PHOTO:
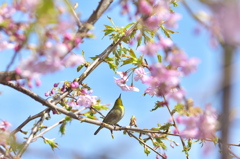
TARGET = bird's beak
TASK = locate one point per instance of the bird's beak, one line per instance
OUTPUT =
(119, 96)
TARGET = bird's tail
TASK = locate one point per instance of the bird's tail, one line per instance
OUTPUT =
(97, 130)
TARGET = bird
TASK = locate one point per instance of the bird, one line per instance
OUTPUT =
(114, 115)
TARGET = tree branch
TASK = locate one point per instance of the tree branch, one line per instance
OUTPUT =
(131, 135)
(28, 120)
(9, 76)
(102, 7)
(35, 129)
(175, 125)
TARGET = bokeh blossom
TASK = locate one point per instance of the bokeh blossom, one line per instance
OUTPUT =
(4, 131)
(201, 126)
(121, 82)
(86, 100)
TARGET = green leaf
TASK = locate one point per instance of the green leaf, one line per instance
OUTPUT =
(139, 42)
(130, 24)
(63, 128)
(127, 61)
(67, 118)
(178, 108)
(112, 66)
(147, 151)
(80, 67)
(94, 58)
(165, 31)
(166, 126)
(131, 52)
(159, 58)
(46, 12)
(89, 115)
(160, 143)
(189, 143)
(111, 21)
(110, 58)
(51, 143)
(108, 32)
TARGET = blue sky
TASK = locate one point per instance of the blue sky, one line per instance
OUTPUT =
(79, 138)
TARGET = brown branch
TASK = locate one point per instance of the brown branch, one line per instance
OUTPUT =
(95, 64)
(175, 125)
(102, 7)
(27, 121)
(39, 99)
(35, 129)
(131, 135)
(226, 99)
(232, 153)
(9, 76)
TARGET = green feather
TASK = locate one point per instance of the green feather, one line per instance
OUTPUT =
(114, 115)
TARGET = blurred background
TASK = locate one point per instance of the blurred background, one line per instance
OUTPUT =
(79, 141)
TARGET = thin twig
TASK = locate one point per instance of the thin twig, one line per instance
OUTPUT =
(27, 121)
(102, 7)
(33, 133)
(48, 129)
(232, 153)
(95, 64)
(175, 125)
(79, 24)
(131, 135)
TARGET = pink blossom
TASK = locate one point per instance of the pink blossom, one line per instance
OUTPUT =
(145, 8)
(74, 85)
(132, 88)
(47, 94)
(172, 20)
(150, 49)
(177, 59)
(6, 12)
(140, 74)
(163, 75)
(72, 104)
(86, 100)
(55, 84)
(38, 82)
(73, 60)
(165, 43)
(52, 92)
(180, 59)
(190, 66)
(125, 8)
(63, 88)
(49, 61)
(26, 5)
(86, 91)
(6, 45)
(176, 94)
(229, 13)
(201, 126)
(4, 125)
(151, 91)
(163, 81)
(153, 22)
(121, 82)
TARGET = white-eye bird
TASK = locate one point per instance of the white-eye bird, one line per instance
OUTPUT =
(114, 115)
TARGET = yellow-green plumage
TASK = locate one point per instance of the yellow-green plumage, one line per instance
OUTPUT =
(114, 115)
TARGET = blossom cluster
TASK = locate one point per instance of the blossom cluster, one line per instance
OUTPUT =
(163, 80)
(201, 126)
(153, 13)
(55, 41)
(4, 131)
